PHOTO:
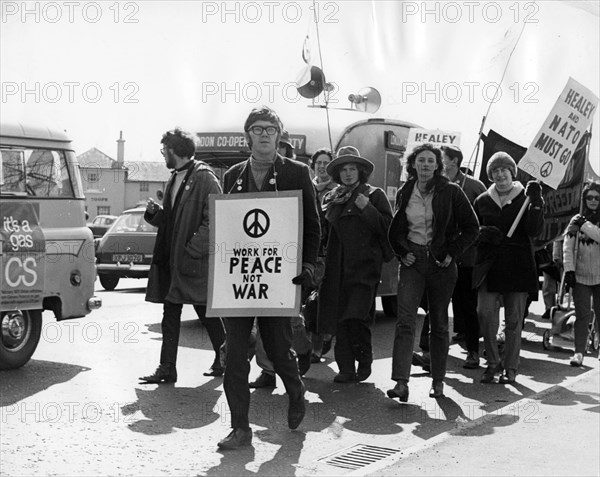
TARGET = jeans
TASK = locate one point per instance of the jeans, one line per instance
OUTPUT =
(582, 294)
(171, 325)
(488, 309)
(424, 276)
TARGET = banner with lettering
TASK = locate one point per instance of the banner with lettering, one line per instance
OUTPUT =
(23, 256)
(560, 204)
(256, 250)
(553, 146)
(233, 141)
(437, 137)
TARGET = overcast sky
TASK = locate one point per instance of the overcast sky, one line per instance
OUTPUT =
(96, 68)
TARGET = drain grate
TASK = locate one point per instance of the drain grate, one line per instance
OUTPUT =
(358, 456)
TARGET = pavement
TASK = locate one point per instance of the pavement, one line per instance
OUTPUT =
(554, 432)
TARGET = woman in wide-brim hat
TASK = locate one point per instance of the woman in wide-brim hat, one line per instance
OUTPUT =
(358, 216)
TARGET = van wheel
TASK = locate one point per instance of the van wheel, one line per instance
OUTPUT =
(390, 305)
(19, 336)
(109, 282)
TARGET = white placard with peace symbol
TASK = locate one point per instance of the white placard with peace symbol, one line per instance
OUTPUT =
(553, 146)
(255, 251)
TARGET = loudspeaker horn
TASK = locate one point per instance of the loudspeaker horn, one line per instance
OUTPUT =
(310, 82)
(367, 100)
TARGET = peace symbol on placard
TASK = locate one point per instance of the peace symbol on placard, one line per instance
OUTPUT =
(256, 223)
(546, 169)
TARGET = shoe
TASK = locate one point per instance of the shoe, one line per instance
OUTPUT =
(489, 373)
(458, 338)
(437, 389)
(418, 360)
(214, 371)
(304, 361)
(472, 361)
(546, 314)
(238, 437)
(363, 371)
(509, 377)
(315, 358)
(264, 380)
(165, 373)
(400, 391)
(344, 378)
(296, 410)
(577, 359)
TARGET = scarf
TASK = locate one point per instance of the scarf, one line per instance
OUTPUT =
(340, 195)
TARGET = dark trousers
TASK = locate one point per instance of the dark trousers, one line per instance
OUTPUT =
(171, 325)
(352, 343)
(583, 295)
(424, 276)
(276, 334)
(464, 307)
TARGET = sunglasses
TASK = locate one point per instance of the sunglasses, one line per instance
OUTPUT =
(593, 197)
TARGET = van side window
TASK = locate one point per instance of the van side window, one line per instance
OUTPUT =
(35, 172)
(12, 172)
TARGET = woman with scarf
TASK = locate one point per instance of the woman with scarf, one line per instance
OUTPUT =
(358, 216)
(505, 266)
(581, 249)
(433, 225)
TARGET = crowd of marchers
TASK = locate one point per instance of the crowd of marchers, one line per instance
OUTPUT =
(456, 242)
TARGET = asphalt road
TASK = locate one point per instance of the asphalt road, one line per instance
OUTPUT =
(77, 407)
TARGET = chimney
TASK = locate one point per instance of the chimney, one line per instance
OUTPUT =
(120, 149)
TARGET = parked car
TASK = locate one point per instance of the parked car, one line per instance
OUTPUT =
(126, 249)
(101, 224)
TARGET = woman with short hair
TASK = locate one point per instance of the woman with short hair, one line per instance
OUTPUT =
(434, 223)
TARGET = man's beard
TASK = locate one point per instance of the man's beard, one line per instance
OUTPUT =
(170, 160)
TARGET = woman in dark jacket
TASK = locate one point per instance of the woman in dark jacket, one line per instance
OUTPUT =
(505, 266)
(433, 225)
(358, 216)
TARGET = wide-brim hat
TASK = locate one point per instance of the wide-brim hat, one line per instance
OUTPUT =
(346, 155)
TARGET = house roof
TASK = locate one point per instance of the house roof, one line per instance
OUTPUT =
(142, 171)
(95, 158)
(137, 171)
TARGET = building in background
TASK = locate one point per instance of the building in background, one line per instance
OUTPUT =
(112, 186)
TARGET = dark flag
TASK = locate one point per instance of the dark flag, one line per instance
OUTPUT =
(560, 204)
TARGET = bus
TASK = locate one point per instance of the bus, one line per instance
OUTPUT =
(383, 141)
(47, 260)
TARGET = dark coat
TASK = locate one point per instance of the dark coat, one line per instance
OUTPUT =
(181, 275)
(472, 188)
(455, 225)
(354, 258)
(509, 266)
(286, 174)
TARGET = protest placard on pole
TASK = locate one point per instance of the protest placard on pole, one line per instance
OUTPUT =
(548, 156)
(255, 251)
(551, 150)
(437, 137)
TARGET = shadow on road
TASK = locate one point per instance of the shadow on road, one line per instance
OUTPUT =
(167, 408)
(35, 376)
